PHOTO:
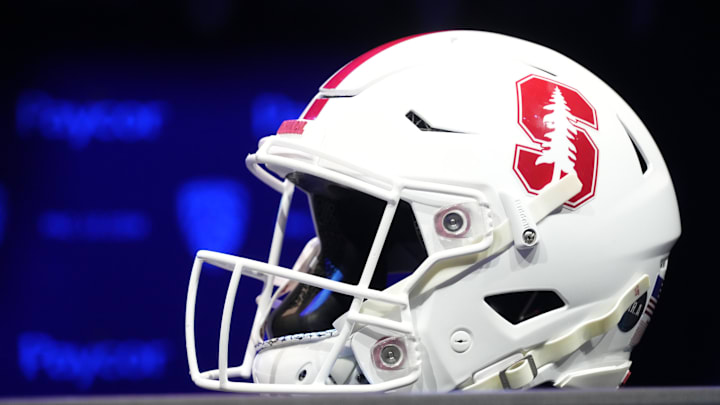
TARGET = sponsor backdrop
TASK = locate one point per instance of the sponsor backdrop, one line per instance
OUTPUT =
(124, 131)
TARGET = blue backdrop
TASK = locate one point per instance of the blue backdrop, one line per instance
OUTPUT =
(120, 171)
(125, 126)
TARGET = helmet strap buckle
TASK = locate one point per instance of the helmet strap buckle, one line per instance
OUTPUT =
(519, 374)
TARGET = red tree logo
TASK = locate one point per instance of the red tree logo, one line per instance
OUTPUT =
(555, 117)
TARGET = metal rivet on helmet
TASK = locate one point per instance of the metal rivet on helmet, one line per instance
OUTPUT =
(453, 221)
(391, 355)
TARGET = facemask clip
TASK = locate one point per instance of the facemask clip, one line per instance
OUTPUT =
(524, 228)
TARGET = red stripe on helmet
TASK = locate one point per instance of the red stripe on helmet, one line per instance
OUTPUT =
(341, 74)
(315, 108)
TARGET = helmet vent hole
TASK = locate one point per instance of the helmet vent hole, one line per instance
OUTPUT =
(418, 121)
(423, 125)
(638, 152)
(544, 70)
(643, 163)
(520, 306)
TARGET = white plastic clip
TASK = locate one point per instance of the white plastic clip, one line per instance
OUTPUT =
(523, 226)
(523, 215)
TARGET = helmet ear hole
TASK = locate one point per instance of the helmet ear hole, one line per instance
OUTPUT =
(519, 306)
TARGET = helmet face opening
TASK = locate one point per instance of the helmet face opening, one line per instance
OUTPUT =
(346, 223)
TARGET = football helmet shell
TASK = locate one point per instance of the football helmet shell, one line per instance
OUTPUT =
(543, 207)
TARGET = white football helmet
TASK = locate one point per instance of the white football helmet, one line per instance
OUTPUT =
(522, 205)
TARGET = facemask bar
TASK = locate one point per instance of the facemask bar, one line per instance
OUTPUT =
(349, 176)
(218, 379)
(264, 303)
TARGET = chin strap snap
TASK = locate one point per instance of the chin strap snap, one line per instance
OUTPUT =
(522, 373)
(519, 374)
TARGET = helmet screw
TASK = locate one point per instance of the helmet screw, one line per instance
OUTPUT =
(529, 236)
(453, 222)
(390, 355)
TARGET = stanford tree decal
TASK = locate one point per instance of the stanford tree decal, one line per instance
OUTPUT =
(560, 149)
(557, 119)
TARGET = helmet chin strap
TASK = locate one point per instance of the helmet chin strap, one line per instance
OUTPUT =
(522, 372)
